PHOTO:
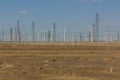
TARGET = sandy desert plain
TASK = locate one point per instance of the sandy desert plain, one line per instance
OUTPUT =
(60, 61)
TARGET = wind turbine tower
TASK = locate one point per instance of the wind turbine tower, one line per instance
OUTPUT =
(3, 35)
(11, 34)
(49, 36)
(64, 35)
(118, 36)
(90, 33)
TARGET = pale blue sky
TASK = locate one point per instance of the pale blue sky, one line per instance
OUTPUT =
(75, 14)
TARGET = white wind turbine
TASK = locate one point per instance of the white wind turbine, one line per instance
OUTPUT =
(91, 32)
(65, 34)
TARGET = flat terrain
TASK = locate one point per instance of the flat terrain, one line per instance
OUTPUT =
(60, 61)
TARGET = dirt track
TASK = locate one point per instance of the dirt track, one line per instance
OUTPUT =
(60, 61)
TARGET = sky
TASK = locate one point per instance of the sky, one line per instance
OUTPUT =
(76, 15)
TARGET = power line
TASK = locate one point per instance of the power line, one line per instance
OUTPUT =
(54, 31)
(18, 31)
(33, 31)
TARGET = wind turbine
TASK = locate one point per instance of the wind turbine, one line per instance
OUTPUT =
(91, 32)
(51, 36)
(44, 36)
(65, 34)
(38, 35)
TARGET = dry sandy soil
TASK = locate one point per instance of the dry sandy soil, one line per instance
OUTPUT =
(60, 61)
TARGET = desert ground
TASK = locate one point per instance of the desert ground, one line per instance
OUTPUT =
(60, 61)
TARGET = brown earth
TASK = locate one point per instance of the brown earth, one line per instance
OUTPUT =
(60, 61)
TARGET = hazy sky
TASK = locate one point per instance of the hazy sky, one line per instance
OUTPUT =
(75, 14)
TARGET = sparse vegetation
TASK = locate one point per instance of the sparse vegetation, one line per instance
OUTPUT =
(61, 61)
